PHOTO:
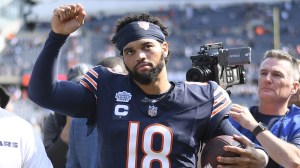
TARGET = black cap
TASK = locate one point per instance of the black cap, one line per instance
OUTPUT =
(77, 72)
(4, 97)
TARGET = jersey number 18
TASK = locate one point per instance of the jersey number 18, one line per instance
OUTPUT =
(150, 155)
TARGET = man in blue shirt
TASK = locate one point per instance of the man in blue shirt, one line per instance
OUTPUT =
(272, 123)
(143, 120)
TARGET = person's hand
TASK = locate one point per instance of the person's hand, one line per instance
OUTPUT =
(64, 135)
(243, 116)
(250, 157)
(67, 19)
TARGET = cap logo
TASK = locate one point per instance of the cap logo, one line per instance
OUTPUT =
(144, 25)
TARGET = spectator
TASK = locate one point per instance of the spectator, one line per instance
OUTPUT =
(83, 148)
(272, 123)
(143, 120)
(19, 145)
(56, 127)
(115, 63)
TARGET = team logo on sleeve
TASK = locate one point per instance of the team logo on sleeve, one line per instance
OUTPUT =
(152, 110)
(123, 96)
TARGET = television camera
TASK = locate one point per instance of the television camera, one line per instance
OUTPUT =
(224, 66)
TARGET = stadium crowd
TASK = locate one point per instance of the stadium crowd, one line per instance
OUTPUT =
(235, 26)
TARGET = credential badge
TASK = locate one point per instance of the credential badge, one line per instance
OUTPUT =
(152, 110)
(144, 25)
(123, 96)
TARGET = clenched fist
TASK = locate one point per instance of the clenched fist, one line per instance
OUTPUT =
(67, 19)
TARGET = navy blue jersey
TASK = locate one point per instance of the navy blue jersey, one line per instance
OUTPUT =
(134, 130)
(137, 131)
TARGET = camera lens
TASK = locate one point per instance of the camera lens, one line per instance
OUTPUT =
(199, 74)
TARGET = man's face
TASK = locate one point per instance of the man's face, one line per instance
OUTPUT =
(275, 80)
(144, 59)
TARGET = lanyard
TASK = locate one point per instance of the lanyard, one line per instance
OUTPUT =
(281, 125)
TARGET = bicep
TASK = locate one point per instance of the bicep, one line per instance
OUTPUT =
(70, 99)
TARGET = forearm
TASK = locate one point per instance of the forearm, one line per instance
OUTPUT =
(63, 97)
(284, 153)
(44, 71)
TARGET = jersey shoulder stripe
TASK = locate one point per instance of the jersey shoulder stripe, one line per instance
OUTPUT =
(221, 101)
(94, 73)
(90, 79)
(97, 76)
(82, 82)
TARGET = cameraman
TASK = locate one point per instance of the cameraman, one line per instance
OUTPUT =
(272, 123)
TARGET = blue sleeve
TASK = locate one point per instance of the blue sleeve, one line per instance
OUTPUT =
(226, 128)
(220, 108)
(72, 160)
(296, 140)
(63, 97)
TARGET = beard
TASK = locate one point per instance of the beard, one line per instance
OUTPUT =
(147, 77)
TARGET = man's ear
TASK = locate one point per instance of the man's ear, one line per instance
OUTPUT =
(295, 87)
(165, 48)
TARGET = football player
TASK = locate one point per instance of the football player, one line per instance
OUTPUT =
(143, 119)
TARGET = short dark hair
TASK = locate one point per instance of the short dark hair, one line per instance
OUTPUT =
(77, 72)
(111, 62)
